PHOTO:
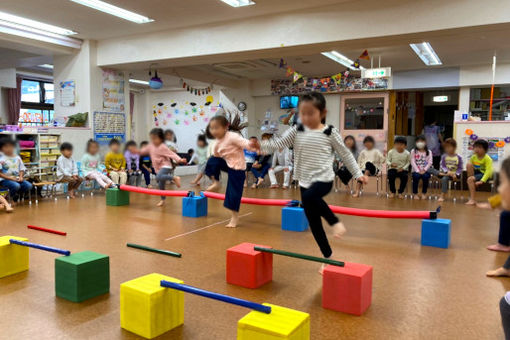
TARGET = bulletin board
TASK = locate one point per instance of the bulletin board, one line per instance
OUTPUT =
(113, 91)
(108, 126)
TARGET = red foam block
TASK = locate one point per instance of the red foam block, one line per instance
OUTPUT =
(247, 267)
(347, 289)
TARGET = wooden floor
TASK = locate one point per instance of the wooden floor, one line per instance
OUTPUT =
(419, 292)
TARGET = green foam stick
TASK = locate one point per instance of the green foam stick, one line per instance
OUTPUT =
(154, 250)
(300, 256)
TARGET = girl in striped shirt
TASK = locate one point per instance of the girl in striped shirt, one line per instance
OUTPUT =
(314, 146)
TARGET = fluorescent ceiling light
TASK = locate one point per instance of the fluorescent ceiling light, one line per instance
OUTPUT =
(426, 53)
(16, 22)
(341, 59)
(137, 81)
(48, 66)
(239, 3)
(114, 10)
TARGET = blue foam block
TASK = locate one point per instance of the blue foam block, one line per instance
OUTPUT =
(294, 219)
(195, 206)
(436, 233)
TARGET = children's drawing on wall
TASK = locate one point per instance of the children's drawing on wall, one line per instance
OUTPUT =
(496, 145)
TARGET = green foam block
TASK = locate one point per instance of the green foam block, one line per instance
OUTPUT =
(82, 276)
(116, 197)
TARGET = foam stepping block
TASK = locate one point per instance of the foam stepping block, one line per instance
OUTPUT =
(13, 258)
(116, 197)
(247, 267)
(82, 276)
(294, 219)
(194, 206)
(281, 323)
(436, 233)
(347, 289)
(149, 310)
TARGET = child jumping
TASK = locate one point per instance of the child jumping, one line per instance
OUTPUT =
(228, 156)
(90, 166)
(161, 157)
(314, 146)
(421, 161)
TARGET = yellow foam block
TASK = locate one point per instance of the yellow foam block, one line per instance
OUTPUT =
(281, 323)
(13, 258)
(149, 310)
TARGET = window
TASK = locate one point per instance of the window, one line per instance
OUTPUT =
(364, 113)
(37, 98)
(479, 104)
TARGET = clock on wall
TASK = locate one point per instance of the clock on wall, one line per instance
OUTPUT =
(241, 106)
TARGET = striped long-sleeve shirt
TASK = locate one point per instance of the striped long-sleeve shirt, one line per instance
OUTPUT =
(314, 153)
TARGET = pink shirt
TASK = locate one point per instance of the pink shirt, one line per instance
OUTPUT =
(231, 149)
(160, 155)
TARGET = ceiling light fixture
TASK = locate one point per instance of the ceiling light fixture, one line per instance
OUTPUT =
(426, 54)
(16, 22)
(239, 3)
(341, 59)
(140, 82)
(47, 66)
(114, 10)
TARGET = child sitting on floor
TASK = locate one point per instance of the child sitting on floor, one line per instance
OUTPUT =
(370, 161)
(479, 168)
(421, 162)
(12, 170)
(90, 163)
(398, 162)
(116, 163)
(451, 166)
(67, 170)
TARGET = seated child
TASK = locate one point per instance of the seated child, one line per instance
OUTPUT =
(451, 166)
(479, 168)
(171, 140)
(90, 163)
(191, 157)
(133, 163)
(282, 161)
(343, 173)
(201, 157)
(261, 165)
(12, 170)
(146, 166)
(116, 163)
(421, 162)
(250, 157)
(370, 161)
(398, 162)
(67, 170)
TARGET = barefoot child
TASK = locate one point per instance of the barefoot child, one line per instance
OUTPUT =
(90, 166)
(314, 146)
(161, 157)
(67, 170)
(228, 157)
(4, 203)
(479, 168)
(421, 162)
(201, 156)
(451, 166)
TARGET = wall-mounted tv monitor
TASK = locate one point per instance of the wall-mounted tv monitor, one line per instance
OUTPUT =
(289, 102)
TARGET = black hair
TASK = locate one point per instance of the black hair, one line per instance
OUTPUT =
(233, 125)
(114, 141)
(317, 100)
(400, 139)
(7, 141)
(422, 138)
(191, 151)
(253, 137)
(143, 143)
(505, 167)
(66, 146)
(89, 144)
(128, 144)
(481, 143)
(369, 139)
(266, 135)
(173, 134)
(158, 132)
(202, 138)
(430, 119)
(450, 141)
(354, 147)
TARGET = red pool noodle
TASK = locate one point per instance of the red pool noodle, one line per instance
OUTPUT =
(47, 230)
(155, 192)
(336, 209)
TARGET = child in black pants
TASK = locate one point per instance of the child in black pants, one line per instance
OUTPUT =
(398, 162)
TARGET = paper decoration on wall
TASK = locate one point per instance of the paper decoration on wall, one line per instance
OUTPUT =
(500, 143)
(282, 63)
(289, 71)
(337, 77)
(113, 91)
(356, 64)
(195, 90)
(161, 104)
(173, 104)
(364, 55)
(469, 132)
(193, 104)
(296, 76)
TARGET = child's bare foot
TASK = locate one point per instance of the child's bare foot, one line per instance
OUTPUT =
(499, 247)
(254, 186)
(160, 203)
(274, 186)
(356, 194)
(483, 205)
(194, 182)
(392, 195)
(423, 196)
(9, 209)
(338, 230)
(71, 194)
(177, 181)
(416, 197)
(285, 187)
(233, 220)
(245, 184)
(441, 198)
(215, 186)
(260, 181)
(471, 202)
(149, 186)
(321, 270)
(401, 196)
(498, 272)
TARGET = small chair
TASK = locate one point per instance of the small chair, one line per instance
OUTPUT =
(50, 187)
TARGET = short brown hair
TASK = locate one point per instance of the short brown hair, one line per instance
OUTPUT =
(450, 141)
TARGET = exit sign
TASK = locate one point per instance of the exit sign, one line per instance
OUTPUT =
(382, 72)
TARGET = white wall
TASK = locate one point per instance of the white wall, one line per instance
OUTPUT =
(7, 80)
(3, 106)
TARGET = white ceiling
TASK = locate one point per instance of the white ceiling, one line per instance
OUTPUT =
(168, 14)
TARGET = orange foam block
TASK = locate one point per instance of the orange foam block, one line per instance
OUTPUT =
(347, 289)
(247, 267)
